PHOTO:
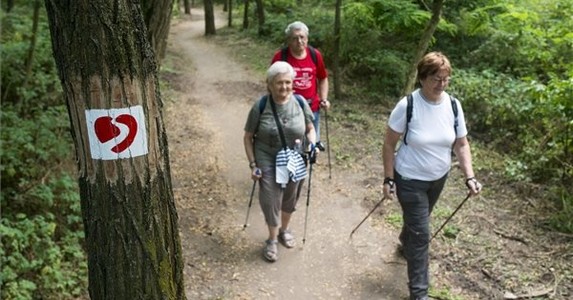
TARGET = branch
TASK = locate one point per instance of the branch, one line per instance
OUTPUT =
(510, 237)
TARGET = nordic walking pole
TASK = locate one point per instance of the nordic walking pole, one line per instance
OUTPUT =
(310, 160)
(327, 142)
(368, 215)
(250, 203)
(448, 219)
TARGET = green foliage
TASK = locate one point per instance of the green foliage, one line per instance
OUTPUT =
(394, 219)
(18, 87)
(378, 40)
(562, 220)
(41, 224)
(528, 121)
(41, 253)
(444, 294)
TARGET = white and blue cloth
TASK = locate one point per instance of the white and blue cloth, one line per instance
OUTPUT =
(289, 166)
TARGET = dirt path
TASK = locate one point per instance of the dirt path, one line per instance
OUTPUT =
(205, 119)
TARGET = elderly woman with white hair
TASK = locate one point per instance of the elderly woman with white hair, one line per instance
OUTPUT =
(263, 139)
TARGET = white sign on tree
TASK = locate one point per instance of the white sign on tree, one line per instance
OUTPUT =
(117, 133)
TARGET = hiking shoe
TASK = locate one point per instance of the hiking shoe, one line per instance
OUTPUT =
(270, 250)
(286, 238)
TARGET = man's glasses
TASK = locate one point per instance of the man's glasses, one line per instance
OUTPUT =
(297, 38)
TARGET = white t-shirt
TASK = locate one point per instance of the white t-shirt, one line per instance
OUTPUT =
(427, 156)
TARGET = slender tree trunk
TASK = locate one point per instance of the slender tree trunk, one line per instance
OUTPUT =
(33, 40)
(230, 15)
(109, 79)
(187, 7)
(157, 14)
(8, 5)
(336, 51)
(246, 15)
(209, 17)
(423, 44)
(260, 16)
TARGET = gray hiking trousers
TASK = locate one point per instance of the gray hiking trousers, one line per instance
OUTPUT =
(417, 199)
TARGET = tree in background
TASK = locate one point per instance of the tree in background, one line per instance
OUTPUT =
(423, 44)
(109, 78)
(209, 17)
(260, 16)
(336, 51)
(246, 14)
(157, 15)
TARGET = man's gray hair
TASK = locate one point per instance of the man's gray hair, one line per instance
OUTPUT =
(297, 25)
(279, 67)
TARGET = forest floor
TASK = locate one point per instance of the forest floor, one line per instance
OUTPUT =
(495, 247)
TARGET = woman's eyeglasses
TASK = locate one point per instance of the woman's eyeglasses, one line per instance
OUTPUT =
(440, 80)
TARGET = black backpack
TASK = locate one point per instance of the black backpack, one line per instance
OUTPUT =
(410, 106)
(263, 102)
(284, 54)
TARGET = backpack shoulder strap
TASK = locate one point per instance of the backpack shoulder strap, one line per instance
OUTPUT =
(263, 104)
(455, 110)
(409, 108)
(313, 55)
(284, 53)
(300, 100)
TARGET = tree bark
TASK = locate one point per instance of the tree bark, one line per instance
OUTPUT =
(105, 62)
(260, 16)
(157, 15)
(230, 15)
(187, 7)
(423, 44)
(246, 15)
(209, 17)
(33, 40)
(336, 51)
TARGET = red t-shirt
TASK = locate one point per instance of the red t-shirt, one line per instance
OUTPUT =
(307, 73)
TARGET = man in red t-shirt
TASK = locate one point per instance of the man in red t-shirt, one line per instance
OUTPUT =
(311, 80)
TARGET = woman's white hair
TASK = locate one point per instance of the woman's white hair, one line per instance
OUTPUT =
(297, 25)
(279, 67)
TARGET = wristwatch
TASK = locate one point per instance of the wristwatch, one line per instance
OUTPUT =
(389, 181)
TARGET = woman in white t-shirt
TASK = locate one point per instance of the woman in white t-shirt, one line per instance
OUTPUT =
(418, 171)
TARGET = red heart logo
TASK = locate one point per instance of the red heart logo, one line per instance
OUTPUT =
(105, 130)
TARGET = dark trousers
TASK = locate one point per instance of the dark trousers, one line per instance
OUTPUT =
(417, 199)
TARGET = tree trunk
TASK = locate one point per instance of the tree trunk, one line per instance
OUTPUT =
(260, 16)
(33, 39)
(109, 79)
(157, 14)
(336, 51)
(230, 15)
(187, 7)
(246, 15)
(209, 17)
(423, 44)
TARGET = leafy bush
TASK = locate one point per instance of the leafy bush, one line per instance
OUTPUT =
(41, 226)
(528, 121)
